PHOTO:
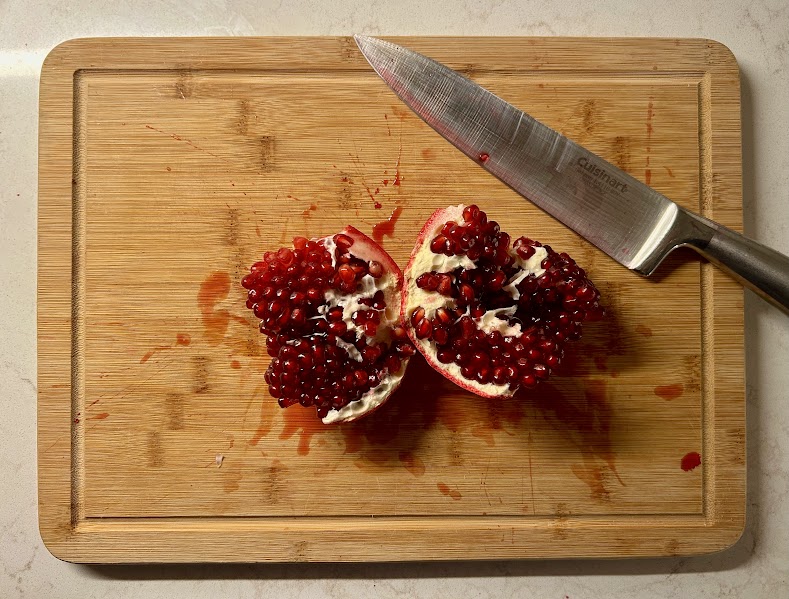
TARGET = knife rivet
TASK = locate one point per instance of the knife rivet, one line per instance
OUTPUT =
(483, 157)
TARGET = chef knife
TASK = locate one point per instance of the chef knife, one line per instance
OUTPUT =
(628, 220)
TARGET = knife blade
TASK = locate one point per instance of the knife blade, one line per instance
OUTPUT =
(631, 222)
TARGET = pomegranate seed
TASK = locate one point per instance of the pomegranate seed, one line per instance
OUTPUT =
(337, 328)
(438, 244)
(470, 212)
(443, 316)
(379, 303)
(444, 284)
(423, 328)
(375, 269)
(417, 316)
(528, 380)
(343, 242)
(466, 292)
(445, 356)
(440, 335)
(427, 281)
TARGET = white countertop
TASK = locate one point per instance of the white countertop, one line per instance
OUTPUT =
(757, 566)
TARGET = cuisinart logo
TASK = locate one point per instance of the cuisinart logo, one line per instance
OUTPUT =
(600, 174)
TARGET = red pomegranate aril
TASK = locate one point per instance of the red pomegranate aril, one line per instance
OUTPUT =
(440, 334)
(375, 269)
(466, 293)
(423, 328)
(417, 316)
(427, 281)
(445, 356)
(444, 284)
(438, 244)
(343, 242)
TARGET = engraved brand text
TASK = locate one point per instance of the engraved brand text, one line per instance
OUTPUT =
(601, 174)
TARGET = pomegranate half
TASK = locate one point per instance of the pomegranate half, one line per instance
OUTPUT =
(330, 310)
(492, 316)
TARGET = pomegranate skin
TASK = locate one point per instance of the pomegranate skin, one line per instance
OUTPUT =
(490, 315)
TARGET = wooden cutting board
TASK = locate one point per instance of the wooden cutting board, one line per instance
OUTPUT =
(167, 166)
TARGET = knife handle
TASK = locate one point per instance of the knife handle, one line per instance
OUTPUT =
(754, 265)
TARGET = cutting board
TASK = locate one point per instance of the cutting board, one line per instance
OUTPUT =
(168, 166)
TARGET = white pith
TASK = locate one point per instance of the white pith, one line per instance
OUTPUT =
(350, 304)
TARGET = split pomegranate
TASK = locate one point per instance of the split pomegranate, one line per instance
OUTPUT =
(330, 310)
(489, 315)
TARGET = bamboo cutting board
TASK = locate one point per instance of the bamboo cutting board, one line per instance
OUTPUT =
(167, 166)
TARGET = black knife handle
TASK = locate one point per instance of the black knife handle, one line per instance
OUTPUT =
(756, 266)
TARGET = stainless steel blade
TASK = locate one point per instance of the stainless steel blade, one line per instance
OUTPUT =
(631, 222)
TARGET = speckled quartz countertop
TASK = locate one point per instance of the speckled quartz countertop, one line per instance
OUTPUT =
(756, 32)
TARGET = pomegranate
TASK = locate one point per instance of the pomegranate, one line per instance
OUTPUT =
(330, 310)
(492, 316)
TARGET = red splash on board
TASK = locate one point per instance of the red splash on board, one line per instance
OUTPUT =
(412, 463)
(643, 330)
(386, 227)
(183, 339)
(235, 365)
(690, 461)
(213, 290)
(669, 392)
(304, 422)
(445, 490)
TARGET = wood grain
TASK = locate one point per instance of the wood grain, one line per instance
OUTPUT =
(167, 166)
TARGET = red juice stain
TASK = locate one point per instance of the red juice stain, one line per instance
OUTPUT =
(305, 422)
(257, 230)
(428, 153)
(264, 426)
(150, 354)
(669, 392)
(386, 227)
(214, 289)
(669, 171)
(183, 339)
(592, 476)
(388, 129)
(484, 157)
(235, 364)
(378, 205)
(101, 416)
(650, 114)
(601, 363)
(385, 182)
(643, 330)
(377, 190)
(311, 208)
(412, 463)
(690, 461)
(445, 490)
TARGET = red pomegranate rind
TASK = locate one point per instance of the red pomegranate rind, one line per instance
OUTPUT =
(330, 310)
(492, 316)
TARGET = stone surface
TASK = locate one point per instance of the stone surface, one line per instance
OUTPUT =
(756, 33)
